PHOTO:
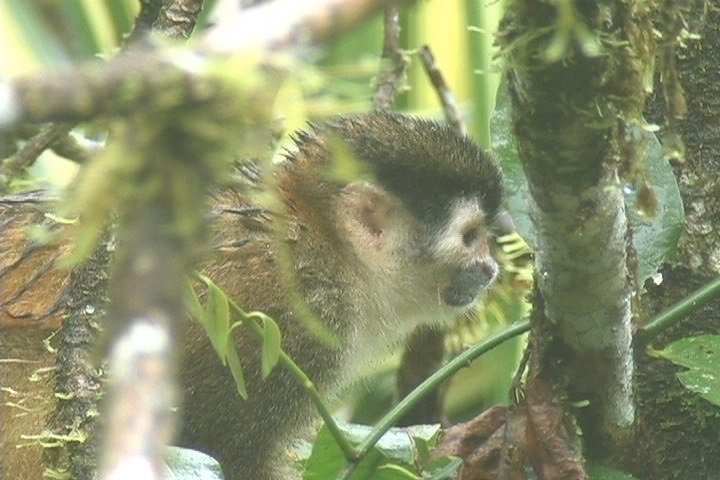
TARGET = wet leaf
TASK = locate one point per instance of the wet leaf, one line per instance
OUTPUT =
(655, 239)
(701, 355)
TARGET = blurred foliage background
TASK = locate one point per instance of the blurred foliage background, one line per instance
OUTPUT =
(43, 35)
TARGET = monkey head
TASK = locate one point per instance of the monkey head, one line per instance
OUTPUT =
(416, 231)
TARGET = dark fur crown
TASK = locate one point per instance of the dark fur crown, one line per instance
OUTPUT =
(422, 161)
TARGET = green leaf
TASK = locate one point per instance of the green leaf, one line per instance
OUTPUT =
(655, 240)
(233, 362)
(271, 345)
(701, 355)
(702, 382)
(400, 444)
(504, 146)
(601, 472)
(394, 472)
(216, 321)
(444, 468)
(397, 448)
(193, 304)
(327, 460)
(218, 318)
(187, 464)
(26, 40)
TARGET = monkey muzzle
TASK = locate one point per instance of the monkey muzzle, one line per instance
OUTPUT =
(466, 283)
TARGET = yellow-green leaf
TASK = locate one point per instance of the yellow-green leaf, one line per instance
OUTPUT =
(194, 306)
(233, 362)
(271, 345)
(218, 318)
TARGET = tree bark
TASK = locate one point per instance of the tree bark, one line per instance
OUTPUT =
(678, 430)
(575, 98)
(50, 384)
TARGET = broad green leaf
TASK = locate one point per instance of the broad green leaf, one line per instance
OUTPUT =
(701, 355)
(327, 461)
(271, 345)
(702, 382)
(122, 13)
(394, 472)
(400, 444)
(397, 447)
(655, 240)
(80, 20)
(187, 464)
(699, 352)
(25, 42)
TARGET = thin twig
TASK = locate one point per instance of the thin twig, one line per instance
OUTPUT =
(447, 99)
(149, 10)
(177, 19)
(47, 136)
(392, 78)
(95, 86)
(75, 147)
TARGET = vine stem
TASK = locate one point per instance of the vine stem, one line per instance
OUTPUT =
(461, 361)
(250, 320)
(670, 316)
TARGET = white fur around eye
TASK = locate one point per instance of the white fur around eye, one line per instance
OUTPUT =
(466, 217)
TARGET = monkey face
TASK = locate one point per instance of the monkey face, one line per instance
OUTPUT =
(419, 261)
(462, 245)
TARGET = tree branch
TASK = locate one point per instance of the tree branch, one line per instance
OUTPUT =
(571, 108)
(128, 81)
(392, 76)
(149, 10)
(446, 97)
(288, 23)
(176, 19)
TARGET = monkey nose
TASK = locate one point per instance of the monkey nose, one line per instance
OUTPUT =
(466, 283)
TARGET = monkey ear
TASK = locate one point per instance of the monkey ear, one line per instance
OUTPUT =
(366, 213)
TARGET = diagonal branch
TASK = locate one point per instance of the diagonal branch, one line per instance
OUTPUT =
(128, 81)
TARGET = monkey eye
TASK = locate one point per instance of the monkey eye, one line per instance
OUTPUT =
(470, 235)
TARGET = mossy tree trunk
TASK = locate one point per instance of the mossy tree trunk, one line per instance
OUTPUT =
(577, 77)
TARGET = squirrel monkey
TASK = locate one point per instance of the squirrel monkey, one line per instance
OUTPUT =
(371, 259)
